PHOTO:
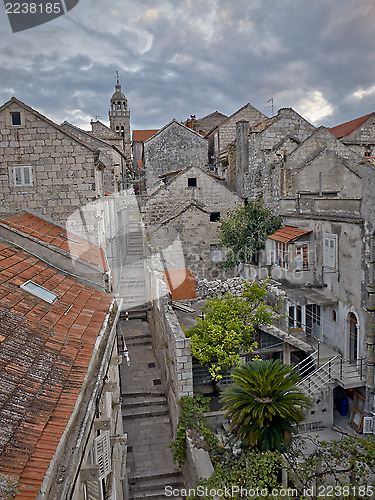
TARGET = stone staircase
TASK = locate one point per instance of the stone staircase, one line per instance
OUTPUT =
(320, 370)
(146, 419)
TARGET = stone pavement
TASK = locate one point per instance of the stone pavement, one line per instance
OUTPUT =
(146, 420)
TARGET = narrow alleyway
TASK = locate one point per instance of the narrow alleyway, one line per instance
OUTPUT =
(145, 414)
(145, 417)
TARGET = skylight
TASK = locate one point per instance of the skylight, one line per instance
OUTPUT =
(39, 291)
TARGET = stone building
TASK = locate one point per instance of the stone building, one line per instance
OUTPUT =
(320, 261)
(60, 417)
(173, 147)
(358, 134)
(182, 219)
(118, 132)
(206, 123)
(261, 148)
(225, 132)
(45, 168)
(116, 171)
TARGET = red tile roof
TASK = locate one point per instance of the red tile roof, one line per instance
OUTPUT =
(49, 233)
(181, 283)
(348, 127)
(143, 135)
(45, 351)
(288, 233)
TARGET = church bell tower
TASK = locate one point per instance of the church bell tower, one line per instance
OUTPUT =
(119, 116)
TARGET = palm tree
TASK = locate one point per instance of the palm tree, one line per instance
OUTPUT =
(264, 404)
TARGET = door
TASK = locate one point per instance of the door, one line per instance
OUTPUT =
(353, 337)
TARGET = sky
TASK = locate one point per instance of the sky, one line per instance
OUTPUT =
(182, 57)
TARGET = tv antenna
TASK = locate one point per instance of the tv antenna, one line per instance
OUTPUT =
(271, 106)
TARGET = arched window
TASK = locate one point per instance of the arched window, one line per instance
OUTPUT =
(117, 129)
(353, 337)
(122, 131)
(119, 105)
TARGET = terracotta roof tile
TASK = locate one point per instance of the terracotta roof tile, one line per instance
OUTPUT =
(42, 364)
(181, 283)
(347, 128)
(288, 233)
(58, 237)
(143, 135)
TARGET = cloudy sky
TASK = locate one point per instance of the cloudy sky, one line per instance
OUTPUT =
(183, 57)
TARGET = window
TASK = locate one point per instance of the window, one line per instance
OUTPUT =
(39, 291)
(192, 182)
(334, 318)
(281, 254)
(329, 255)
(312, 315)
(302, 256)
(16, 118)
(22, 176)
(214, 216)
(216, 253)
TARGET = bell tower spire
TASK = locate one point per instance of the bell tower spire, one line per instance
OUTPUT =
(119, 115)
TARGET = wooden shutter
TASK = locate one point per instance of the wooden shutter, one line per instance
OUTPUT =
(102, 446)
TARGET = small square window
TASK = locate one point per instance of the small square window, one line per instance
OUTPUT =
(192, 182)
(16, 118)
(22, 175)
(214, 216)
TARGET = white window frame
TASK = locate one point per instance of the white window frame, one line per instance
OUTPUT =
(22, 177)
(281, 254)
(301, 263)
(330, 251)
(102, 451)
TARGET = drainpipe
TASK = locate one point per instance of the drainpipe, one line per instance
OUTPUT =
(370, 336)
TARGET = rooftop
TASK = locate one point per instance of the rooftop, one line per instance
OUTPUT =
(45, 350)
(143, 135)
(288, 233)
(54, 235)
(347, 128)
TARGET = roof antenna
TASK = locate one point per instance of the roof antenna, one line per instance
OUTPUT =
(117, 77)
(271, 101)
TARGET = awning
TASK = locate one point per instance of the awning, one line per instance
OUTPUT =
(287, 234)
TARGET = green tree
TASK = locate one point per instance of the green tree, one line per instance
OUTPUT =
(346, 466)
(244, 231)
(227, 327)
(264, 403)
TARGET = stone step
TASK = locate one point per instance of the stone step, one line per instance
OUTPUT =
(138, 402)
(130, 394)
(140, 340)
(144, 411)
(153, 485)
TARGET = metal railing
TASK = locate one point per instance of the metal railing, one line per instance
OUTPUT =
(322, 376)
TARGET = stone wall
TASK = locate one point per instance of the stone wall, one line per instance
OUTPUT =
(172, 348)
(172, 148)
(227, 130)
(179, 213)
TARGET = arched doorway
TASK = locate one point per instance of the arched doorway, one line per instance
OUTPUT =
(353, 337)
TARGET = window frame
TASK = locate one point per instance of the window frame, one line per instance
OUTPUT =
(282, 254)
(330, 256)
(14, 113)
(192, 182)
(22, 169)
(303, 263)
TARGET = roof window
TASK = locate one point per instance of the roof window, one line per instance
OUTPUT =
(39, 291)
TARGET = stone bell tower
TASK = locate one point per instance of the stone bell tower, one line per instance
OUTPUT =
(119, 116)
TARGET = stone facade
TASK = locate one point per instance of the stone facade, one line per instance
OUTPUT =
(358, 134)
(44, 168)
(110, 155)
(174, 147)
(187, 211)
(263, 148)
(206, 123)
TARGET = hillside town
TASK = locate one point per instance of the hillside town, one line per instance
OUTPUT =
(109, 249)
